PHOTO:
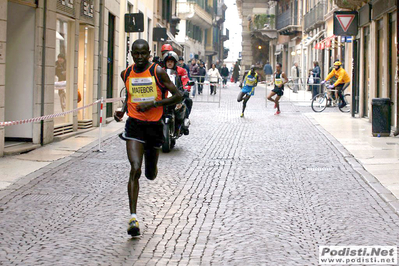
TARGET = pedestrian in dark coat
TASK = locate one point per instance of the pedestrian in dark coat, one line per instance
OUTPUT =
(236, 72)
(316, 79)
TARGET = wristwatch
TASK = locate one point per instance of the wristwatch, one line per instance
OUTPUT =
(155, 104)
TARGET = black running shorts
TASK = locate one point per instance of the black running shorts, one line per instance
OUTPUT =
(148, 133)
(278, 91)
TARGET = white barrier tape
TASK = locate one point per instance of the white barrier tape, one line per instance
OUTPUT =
(36, 119)
(110, 100)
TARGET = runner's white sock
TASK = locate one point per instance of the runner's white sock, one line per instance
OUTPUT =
(134, 216)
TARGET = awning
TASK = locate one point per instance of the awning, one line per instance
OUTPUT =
(311, 40)
(327, 42)
(172, 41)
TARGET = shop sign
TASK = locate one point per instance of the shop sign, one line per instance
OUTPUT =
(346, 39)
(345, 23)
(87, 8)
(66, 6)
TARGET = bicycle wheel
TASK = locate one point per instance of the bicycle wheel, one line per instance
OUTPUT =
(290, 84)
(347, 107)
(122, 94)
(319, 103)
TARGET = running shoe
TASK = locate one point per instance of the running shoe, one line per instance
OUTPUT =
(133, 229)
(277, 113)
(242, 115)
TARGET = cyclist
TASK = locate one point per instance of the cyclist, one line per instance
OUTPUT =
(250, 81)
(343, 81)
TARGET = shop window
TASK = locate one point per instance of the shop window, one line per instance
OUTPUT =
(85, 74)
(380, 63)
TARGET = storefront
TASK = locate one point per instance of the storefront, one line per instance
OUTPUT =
(378, 62)
(74, 25)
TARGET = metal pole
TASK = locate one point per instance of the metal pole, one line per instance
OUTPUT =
(220, 93)
(101, 124)
(100, 50)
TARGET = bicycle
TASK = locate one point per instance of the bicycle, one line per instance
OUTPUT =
(291, 84)
(321, 100)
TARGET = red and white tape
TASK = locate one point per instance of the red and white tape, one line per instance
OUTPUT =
(36, 119)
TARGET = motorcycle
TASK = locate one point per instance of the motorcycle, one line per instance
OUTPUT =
(175, 122)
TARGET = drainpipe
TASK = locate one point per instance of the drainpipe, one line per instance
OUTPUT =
(100, 53)
(43, 72)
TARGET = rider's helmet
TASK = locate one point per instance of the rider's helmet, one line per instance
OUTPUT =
(170, 56)
(338, 63)
(166, 48)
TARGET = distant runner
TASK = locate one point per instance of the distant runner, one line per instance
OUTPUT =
(279, 80)
(147, 85)
(250, 81)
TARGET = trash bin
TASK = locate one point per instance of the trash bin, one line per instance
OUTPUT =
(381, 121)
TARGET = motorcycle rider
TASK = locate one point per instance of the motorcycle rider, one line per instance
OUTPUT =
(170, 60)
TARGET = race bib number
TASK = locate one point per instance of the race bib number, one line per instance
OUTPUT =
(251, 81)
(278, 81)
(142, 89)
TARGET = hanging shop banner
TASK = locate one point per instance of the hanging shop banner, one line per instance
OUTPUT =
(134, 22)
(345, 23)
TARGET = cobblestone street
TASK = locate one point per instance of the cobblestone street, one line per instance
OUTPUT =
(259, 190)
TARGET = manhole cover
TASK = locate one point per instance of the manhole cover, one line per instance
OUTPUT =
(49, 197)
(318, 169)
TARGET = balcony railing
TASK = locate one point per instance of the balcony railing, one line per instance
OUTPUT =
(315, 16)
(286, 19)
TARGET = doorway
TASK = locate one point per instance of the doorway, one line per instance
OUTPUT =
(20, 59)
(110, 62)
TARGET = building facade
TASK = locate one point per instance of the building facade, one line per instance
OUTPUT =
(201, 29)
(259, 35)
(68, 61)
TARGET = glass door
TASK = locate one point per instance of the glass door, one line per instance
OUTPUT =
(380, 60)
(110, 63)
